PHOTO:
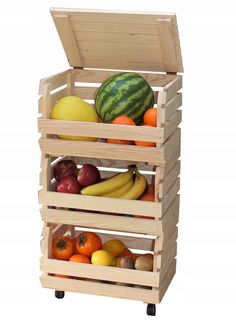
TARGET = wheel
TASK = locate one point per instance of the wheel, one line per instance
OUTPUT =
(151, 309)
(59, 294)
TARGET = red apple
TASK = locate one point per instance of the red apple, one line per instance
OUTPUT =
(65, 168)
(88, 174)
(68, 185)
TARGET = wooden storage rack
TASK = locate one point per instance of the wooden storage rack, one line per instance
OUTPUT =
(84, 33)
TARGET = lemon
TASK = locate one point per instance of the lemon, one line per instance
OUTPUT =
(115, 247)
(103, 258)
(75, 109)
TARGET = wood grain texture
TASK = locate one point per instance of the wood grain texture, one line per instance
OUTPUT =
(103, 204)
(169, 180)
(90, 271)
(86, 31)
(102, 221)
(171, 125)
(103, 130)
(170, 196)
(55, 81)
(102, 289)
(171, 89)
(171, 107)
(172, 145)
(57, 147)
(167, 280)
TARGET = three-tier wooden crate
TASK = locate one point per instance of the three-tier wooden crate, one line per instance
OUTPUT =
(98, 45)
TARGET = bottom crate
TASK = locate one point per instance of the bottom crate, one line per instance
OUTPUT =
(147, 286)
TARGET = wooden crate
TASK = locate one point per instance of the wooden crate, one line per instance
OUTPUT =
(122, 41)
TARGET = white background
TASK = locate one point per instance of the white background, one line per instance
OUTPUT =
(204, 286)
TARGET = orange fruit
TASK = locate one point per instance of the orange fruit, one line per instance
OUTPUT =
(150, 117)
(150, 189)
(79, 258)
(124, 120)
(61, 276)
(146, 197)
(145, 143)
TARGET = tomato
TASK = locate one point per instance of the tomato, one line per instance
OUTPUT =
(88, 242)
(62, 248)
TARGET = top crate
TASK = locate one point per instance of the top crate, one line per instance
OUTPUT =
(146, 43)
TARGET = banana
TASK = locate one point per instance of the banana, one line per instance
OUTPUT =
(108, 185)
(120, 191)
(137, 189)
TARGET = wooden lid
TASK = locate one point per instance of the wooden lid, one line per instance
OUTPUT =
(119, 40)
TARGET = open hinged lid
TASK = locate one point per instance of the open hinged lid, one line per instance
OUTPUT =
(119, 40)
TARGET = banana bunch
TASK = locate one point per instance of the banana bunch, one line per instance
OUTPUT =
(126, 185)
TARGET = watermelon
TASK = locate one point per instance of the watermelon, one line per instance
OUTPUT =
(126, 93)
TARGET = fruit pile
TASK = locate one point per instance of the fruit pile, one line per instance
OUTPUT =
(87, 181)
(125, 98)
(87, 247)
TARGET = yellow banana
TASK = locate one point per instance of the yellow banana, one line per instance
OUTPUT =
(137, 189)
(108, 185)
(120, 191)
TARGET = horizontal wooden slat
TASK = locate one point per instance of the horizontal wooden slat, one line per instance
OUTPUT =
(55, 81)
(90, 271)
(165, 185)
(167, 280)
(171, 89)
(171, 107)
(169, 164)
(172, 124)
(169, 197)
(163, 255)
(170, 220)
(131, 242)
(100, 130)
(99, 76)
(102, 221)
(86, 92)
(57, 147)
(169, 261)
(99, 289)
(122, 206)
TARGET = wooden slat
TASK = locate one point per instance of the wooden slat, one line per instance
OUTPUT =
(99, 76)
(58, 95)
(132, 242)
(172, 145)
(85, 92)
(171, 107)
(55, 81)
(65, 31)
(169, 197)
(99, 289)
(169, 180)
(172, 88)
(167, 280)
(170, 220)
(122, 206)
(57, 147)
(102, 221)
(100, 272)
(172, 124)
(165, 169)
(59, 230)
(169, 261)
(167, 44)
(100, 130)
(163, 255)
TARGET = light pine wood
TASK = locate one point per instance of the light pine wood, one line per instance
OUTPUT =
(167, 280)
(57, 147)
(171, 89)
(169, 261)
(99, 76)
(171, 218)
(99, 289)
(55, 81)
(102, 221)
(105, 53)
(172, 145)
(102, 130)
(90, 271)
(172, 124)
(59, 230)
(70, 84)
(122, 206)
(171, 107)
(70, 45)
(165, 169)
(170, 196)
(169, 180)
(163, 255)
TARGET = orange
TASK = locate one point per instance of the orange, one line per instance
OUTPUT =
(150, 188)
(79, 258)
(61, 276)
(145, 143)
(124, 120)
(150, 117)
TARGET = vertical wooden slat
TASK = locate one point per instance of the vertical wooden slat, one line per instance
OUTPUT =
(64, 28)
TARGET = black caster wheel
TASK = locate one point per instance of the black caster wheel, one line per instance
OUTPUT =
(151, 309)
(59, 294)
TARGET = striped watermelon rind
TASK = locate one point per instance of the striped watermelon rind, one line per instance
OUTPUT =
(126, 93)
